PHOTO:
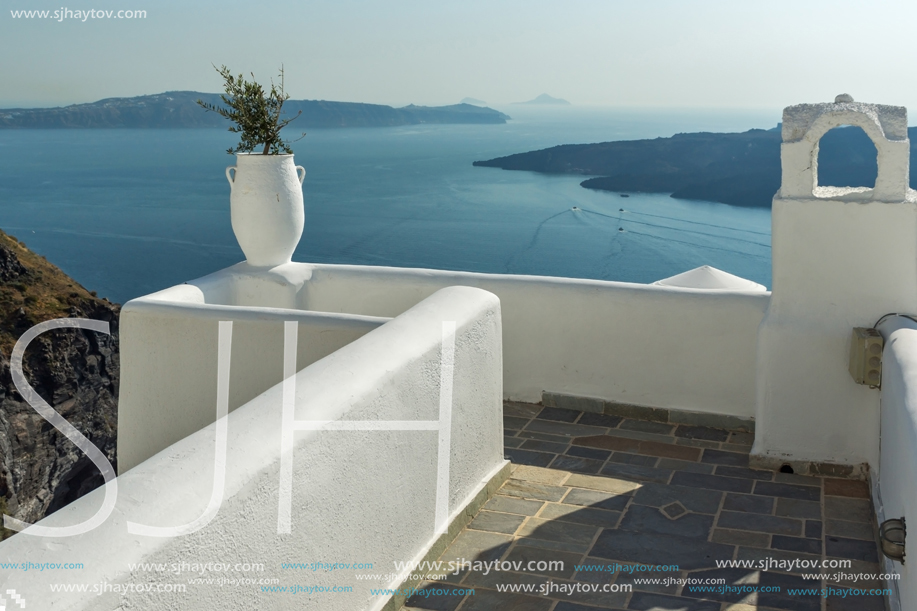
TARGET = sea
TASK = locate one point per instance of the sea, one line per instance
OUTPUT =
(127, 212)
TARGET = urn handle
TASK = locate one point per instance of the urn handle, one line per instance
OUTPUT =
(232, 177)
(302, 176)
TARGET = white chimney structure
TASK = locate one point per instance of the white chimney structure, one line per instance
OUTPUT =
(842, 258)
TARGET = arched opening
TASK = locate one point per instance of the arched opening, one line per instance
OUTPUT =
(847, 157)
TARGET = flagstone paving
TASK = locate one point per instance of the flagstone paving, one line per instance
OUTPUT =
(616, 493)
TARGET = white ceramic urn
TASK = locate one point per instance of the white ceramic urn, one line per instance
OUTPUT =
(266, 206)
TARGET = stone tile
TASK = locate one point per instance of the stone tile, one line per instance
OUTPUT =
(594, 498)
(511, 505)
(488, 600)
(848, 601)
(684, 465)
(636, 473)
(553, 530)
(520, 410)
(846, 487)
(476, 545)
(558, 414)
(642, 519)
(539, 475)
(673, 510)
(568, 606)
(496, 522)
(637, 412)
(794, 508)
(512, 442)
(744, 472)
(796, 544)
(573, 402)
(638, 446)
(527, 457)
(628, 576)
(791, 491)
(760, 523)
(854, 510)
(577, 464)
(605, 484)
(719, 457)
(813, 529)
(779, 599)
(734, 447)
(787, 561)
(543, 436)
(795, 478)
(543, 446)
(698, 443)
(512, 423)
(531, 490)
(646, 426)
(588, 453)
(701, 432)
(646, 601)
(711, 482)
(603, 420)
(741, 537)
(653, 548)
(562, 546)
(839, 547)
(580, 515)
(633, 459)
(742, 439)
(640, 435)
(524, 555)
(562, 428)
(697, 500)
(749, 503)
(428, 598)
(850, 530)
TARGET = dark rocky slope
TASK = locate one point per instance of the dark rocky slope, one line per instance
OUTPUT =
(75, 371)
(739, 169)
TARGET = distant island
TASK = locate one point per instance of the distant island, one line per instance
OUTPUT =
(175, 109)
(741, 169)
(546, 100)
(473, 102)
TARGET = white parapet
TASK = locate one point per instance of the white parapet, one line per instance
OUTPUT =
(842, 257)
(895, 488)
(413, 432)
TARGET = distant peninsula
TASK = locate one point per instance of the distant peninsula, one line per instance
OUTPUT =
(545, 99)
(741, 169)
(177, 109)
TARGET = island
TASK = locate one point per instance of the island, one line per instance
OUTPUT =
(473, 102)
(545, 99)
(741, 169)
(176, 109)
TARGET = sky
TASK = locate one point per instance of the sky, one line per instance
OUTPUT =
(622, 53)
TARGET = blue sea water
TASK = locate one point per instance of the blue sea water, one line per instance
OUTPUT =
(128, 212)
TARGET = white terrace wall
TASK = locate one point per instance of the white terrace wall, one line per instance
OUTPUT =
(657, 346)
(895, 494)
(358, 496)
(169, 362)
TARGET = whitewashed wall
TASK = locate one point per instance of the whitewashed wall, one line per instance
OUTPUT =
(358, 496)
(642, 344)
(896, 494)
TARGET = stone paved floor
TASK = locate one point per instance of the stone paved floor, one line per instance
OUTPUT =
(591, 489)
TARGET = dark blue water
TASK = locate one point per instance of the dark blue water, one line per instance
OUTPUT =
(128, 212)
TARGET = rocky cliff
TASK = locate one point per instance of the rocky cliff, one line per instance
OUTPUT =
(75, 371)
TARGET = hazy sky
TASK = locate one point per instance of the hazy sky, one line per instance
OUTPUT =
(664, 53)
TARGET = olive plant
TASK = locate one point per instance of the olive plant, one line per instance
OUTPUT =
(256, 114)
